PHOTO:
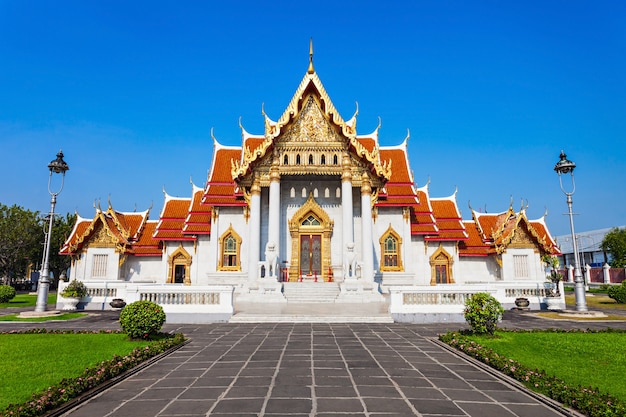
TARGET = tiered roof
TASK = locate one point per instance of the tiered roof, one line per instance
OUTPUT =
(129, 233)
(492, 233)
(436, 219)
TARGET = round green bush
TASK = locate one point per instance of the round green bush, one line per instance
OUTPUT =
(482, 313)
(7, 293)
(142, 319)
(618, 293)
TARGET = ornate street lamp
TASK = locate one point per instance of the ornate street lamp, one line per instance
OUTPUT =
(58, 166)
(565, 166)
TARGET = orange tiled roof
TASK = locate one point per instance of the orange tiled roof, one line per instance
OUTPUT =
(367, 142)
(221, 190)
(448, 220)
(124, 228)
(172, 221)
(78, 231)
(474, 245)
(198, 220)
(422, 220)
(399, 189)
(147, 245)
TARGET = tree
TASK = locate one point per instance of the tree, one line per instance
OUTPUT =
(61, 229)
(614, 243)
(21, 237)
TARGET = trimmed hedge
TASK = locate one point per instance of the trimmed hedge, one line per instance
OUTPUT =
(142, 319)
(482, 313)
(7, 293)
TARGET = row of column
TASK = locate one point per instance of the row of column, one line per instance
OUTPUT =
(367, 269)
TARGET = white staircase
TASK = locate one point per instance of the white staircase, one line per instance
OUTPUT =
(310, 292)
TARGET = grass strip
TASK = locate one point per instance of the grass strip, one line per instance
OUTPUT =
(34, 362)
(63, 316)
(27, 300)
(579, 358)
(581, 369)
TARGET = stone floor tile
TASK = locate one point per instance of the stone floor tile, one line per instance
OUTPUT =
(160, 393)
(247, 392)
(239, 405)
(141, 408)
(288, 405)
(337, 405)
(196, 407)
(201, 393)
(532, 410)
(467, 395)
(388, 405)
(291, 391)
(447, 407)
(335, 392)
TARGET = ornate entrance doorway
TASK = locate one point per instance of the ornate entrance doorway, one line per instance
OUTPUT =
(311, 254)
(310, 229)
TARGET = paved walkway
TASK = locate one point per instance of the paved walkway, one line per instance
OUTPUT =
(315, 369)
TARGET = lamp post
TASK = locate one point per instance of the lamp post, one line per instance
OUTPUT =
(58, 166)
(565, 166)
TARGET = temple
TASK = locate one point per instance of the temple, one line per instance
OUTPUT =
(309, 200)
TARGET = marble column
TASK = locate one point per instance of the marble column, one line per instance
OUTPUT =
(346, 207)
(254, 249)
(273, 232)
(366, 229)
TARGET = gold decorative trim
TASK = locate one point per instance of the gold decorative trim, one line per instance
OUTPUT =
(391, 232)
(325, 229)
(220, 265)
(439, 258)
(179, 257)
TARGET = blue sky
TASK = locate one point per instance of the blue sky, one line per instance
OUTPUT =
(491, 92)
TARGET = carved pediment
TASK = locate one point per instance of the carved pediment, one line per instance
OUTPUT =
(310, 130)
(522, 238)
(101, 238)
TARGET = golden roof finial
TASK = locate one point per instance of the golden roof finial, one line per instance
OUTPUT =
(311, 70)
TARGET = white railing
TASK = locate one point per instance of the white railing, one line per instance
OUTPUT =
(450, 299)
(176, 299)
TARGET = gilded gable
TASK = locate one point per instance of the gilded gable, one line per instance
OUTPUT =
(101, 238)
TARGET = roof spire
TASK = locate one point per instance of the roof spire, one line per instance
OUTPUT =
(311, 70)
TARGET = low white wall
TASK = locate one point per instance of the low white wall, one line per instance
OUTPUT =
(409, 303)
(181, 304)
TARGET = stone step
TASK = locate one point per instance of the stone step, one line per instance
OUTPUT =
(286, 318)
(310, 292)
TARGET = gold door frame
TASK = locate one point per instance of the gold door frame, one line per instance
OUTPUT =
(325, 229)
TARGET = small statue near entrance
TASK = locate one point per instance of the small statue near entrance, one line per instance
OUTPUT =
(349, 259)
(271, 260)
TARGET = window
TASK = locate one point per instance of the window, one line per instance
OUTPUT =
(323, 160)
(99, 267)
(335, 159)
(311, 159)
(390, 253)
(229, 255)
(441, 267)
(230, 245)
(286, 160)
(520, 266)
(311, 221)
(298, 159)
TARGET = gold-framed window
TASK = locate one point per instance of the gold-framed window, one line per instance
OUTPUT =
(391, 251)
(230, 251)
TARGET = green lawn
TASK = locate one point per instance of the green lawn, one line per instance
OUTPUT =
(587, 359)
(63, 316)
(33, 362)
(27, 300)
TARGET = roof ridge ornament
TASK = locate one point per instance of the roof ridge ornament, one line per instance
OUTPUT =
(311, 69)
